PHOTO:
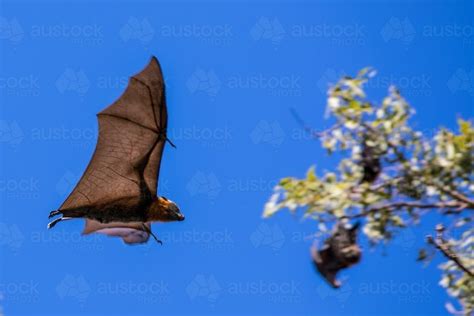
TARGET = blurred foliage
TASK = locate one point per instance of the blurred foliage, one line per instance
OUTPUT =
(390, 175)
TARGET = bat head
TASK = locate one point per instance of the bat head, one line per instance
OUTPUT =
(340, 251)
(165, 210)
(344, 245)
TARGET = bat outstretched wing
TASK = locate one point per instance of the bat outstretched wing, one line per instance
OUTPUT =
(132, 134)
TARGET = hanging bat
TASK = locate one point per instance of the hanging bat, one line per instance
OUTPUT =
(370, 162)
(339, 251)
(117, 194)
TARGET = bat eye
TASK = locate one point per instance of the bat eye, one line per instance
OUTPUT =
(164, 198)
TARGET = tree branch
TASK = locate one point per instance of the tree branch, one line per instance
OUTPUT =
(443, 246)
(314, 133)
(457, 195)
(399, 205)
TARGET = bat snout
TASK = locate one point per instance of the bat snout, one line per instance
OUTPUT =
(173, 207)
(166, 210)
(178, 216)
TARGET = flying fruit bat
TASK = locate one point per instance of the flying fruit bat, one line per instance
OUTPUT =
(339, 251)
(117, 194)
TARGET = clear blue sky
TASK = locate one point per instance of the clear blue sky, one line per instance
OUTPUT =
(233, 71)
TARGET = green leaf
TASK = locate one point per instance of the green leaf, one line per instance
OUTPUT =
(311, 175)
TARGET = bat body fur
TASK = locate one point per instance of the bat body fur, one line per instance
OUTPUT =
(127, 209)
(370, 162)
(339, 251)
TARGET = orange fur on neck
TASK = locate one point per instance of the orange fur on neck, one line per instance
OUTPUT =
(158, 210)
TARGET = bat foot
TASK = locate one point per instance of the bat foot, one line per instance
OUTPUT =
(148, 230)
(157, 240)
(53, 223)
(54, 213)
(57, 220)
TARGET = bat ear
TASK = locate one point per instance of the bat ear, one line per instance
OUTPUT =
(353, 230)
(355, 226)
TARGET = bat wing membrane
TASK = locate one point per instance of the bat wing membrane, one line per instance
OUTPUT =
(132, 134)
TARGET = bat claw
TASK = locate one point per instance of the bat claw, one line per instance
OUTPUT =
(157, 240)
(148, 230)
(57, 220)
(53, 223)
(54, 213)
(170, 142)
